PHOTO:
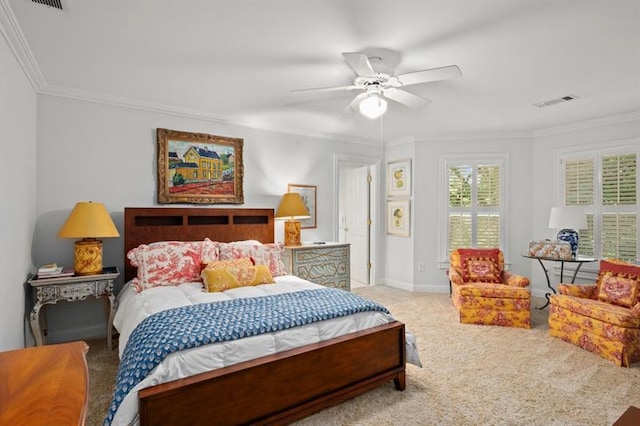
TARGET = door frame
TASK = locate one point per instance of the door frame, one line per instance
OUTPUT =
(374, 206)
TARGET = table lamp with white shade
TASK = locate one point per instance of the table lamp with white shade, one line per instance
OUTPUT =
(568, 220)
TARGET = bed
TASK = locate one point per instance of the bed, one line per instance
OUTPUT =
(276, 388)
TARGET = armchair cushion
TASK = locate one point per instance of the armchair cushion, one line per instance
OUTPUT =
(493, 290)
(618, 290)
(618, 282)
(595, 309)
(479, 265)
(579, 290)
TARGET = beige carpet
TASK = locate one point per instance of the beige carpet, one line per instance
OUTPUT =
(472, 375)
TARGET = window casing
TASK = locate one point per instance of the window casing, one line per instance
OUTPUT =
(474, 202)
(604, 181)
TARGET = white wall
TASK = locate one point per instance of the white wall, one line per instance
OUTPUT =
(399, 260)
(18, 195)
(545, 144)
(88, 151)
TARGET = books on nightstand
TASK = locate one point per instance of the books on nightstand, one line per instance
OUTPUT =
(52, 270)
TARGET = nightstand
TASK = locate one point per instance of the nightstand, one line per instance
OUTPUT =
(325, 264)
(73, 289)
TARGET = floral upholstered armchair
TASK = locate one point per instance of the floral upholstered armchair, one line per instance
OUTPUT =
(604, 317)
(484, 293)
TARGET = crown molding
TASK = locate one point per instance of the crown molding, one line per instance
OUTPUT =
(310, 133)
(12, 33)
(581, 125)
(462, 137)
(400, 141)
(123, 102)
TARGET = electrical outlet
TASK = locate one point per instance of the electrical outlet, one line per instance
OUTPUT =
(421, 267)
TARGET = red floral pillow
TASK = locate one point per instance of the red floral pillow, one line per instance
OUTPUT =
(170, 262)
(261, 254)
(618, 283)
(480, 265)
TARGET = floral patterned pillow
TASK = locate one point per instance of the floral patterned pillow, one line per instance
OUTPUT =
(480, 265)
(618, 283)
(261, 254)
(170, 262)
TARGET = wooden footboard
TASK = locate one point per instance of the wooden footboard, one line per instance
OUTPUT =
(283, 387)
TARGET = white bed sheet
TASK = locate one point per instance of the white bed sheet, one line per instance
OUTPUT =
(134, 307)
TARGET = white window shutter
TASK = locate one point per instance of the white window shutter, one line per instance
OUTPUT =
(605, 184)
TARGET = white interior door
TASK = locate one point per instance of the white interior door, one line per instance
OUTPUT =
(356, 221)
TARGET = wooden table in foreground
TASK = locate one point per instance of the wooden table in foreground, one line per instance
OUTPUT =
(44, 385)
(631, 417)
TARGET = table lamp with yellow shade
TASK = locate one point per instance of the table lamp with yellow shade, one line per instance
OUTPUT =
(292, 208)
(89, 221)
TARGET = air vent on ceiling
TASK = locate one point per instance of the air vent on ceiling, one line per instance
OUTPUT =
(555, 101)
(51, 3)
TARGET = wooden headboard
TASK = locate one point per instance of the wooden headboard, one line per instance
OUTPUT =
(144, 225)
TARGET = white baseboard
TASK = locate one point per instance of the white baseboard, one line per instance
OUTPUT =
(428, 288)
(397, 284)
(432, 288)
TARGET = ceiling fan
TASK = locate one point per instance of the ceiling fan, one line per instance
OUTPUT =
(377, 86)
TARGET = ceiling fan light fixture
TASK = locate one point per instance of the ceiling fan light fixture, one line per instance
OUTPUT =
(373, 106)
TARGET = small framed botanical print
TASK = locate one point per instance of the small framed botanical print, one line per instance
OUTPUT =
(399, 178)
(398, 218)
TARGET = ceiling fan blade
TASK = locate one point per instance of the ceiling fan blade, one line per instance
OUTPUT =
(360, 64)
(406, 98)
(425, 76)
(323, 89)
(354, 103)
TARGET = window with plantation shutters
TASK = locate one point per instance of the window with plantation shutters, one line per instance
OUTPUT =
(604, 182)
(474, 203)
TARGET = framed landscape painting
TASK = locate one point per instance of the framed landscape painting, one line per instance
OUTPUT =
(197, 168)
(308, 195)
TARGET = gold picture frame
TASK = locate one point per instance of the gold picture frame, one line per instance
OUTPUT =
(308, 195)
(197, 168)
(399, 218)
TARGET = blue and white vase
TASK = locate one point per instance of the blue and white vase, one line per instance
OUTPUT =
(570, 236)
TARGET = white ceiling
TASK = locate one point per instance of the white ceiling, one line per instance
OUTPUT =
(239, 60)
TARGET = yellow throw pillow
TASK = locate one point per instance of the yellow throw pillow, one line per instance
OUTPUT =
(225, 278)
(216, 264)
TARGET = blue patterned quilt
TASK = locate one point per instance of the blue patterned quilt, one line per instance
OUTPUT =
(190, 326)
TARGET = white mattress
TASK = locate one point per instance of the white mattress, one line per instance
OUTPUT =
(134, 307)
